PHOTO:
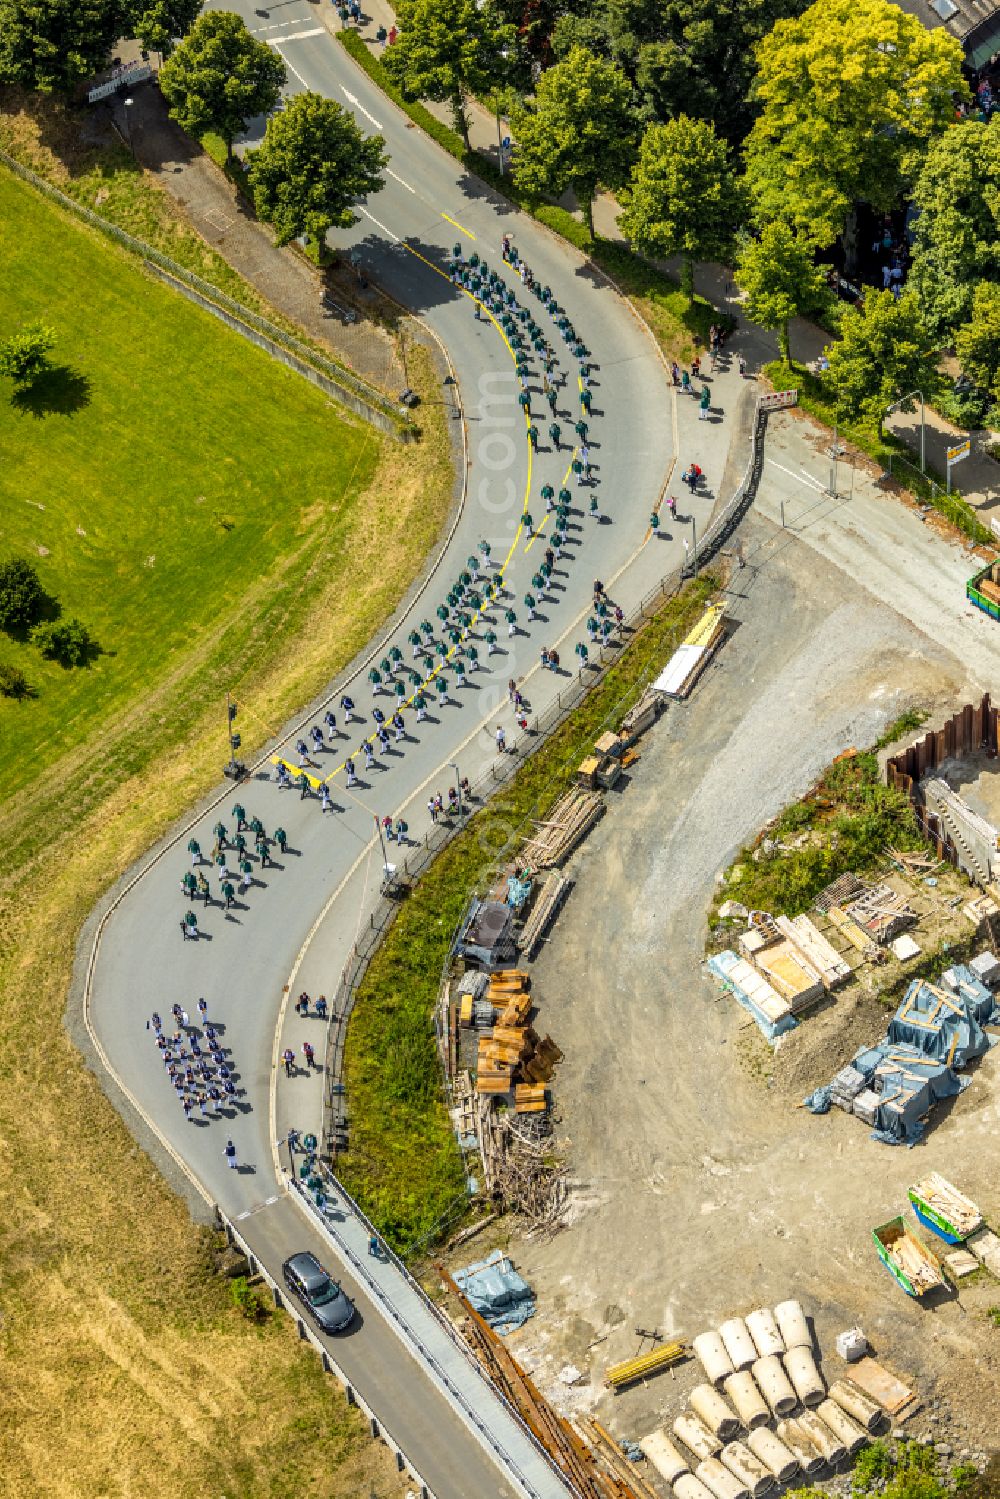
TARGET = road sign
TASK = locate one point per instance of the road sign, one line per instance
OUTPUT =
(963, 449)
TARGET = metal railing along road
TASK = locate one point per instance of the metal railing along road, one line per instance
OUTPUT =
(418, 860)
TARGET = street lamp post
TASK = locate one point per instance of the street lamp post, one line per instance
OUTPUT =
(128, 125)
(458, 786)
(694, 547)
(385, 856)
(902, 402)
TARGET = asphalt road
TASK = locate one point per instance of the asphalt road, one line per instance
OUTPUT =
(244, 956)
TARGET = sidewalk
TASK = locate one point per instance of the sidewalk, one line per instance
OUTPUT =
(292, 286)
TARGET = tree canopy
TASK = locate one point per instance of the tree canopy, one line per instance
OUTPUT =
(51, 45)
(312, 165)
(781, 279)
(850, 94)
(220, 77)
(682, 197)
(578, 132)
(693, 57)
(25, 355)
(978, 341)
(957, 231)
(882, 354)
(157, 24)
(446, 50)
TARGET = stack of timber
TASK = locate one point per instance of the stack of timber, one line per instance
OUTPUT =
(571, 820)
(779, 961)
(814, 947)
(463, 1109)
(561, 1440)
(547, 903)
(916, 1268)
(866, 914)
(530, 1098)
(513, 1054)
(642, 717)
(693, 654)
(944, 1208)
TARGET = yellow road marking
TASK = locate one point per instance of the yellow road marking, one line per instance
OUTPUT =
(457, 226)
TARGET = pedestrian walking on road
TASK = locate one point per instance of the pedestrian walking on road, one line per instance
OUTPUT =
(203, 1008)
(309, 1054)
(230, 1154)
(704, 404)
(246, 874)
(240, 817)
(326, 803)
(347, 708)
(281, 838)
(321, 1007)
(229, 893)
(304, 788)
(288, 1057)
(330, 719)
(555, 432)
(501, 739)
(189, 926)
(194, 849)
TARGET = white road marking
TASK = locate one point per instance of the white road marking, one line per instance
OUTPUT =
(256, 1209)
(392, 174)
(801, 478)
(381, 226)
(357, 105)
(291, 67)
(294, 36)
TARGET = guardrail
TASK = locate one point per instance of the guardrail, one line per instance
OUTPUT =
(541, 727)
(337, 1190)
(376, 1425)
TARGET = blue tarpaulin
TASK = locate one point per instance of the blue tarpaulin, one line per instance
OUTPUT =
(722, 965)
(496, 1291)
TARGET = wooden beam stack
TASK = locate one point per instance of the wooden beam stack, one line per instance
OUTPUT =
(570, 822)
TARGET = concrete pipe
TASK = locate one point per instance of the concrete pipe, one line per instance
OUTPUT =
(799, 1445)
(739, 1343)
(806, 1378)
(715, 1361)
(857, 1403)
(750, 1471)
(774, 1385)
(764, 1331)
(751, 1407)
(829, 1446)
(696, 1435)
(722, 1483)
(688, 1487)
(851, 1432)
(709, 1405)
(661, 1452)
(773, 1453)
(792, 1325)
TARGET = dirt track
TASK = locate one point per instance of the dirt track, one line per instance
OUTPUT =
(702, 1190)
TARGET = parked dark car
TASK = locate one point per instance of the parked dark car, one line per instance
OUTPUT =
(331, 1309)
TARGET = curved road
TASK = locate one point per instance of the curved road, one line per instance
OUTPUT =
(300, 916)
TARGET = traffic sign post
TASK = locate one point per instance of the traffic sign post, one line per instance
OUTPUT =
(955, 455)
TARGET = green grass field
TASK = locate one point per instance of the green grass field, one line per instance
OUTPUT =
(183, 464)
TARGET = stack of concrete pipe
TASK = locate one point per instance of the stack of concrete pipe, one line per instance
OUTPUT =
(765, 1366)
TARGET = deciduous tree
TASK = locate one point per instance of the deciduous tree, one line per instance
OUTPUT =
(220, 77)
(682, 197)
(158, 24)
(978, 341)
(957, 232)
(578, 133)
(780, 276)
(850, 94)
(312, 165)
(25, 355)
(50, 45)
(447, 50)
(21, 595)
(883, 353)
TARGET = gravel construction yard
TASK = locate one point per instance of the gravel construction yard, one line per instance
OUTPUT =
(701, 1190)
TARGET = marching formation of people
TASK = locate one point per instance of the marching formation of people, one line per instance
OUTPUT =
(198, 1066)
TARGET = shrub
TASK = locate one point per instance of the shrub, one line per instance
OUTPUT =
(248, 1300)
(13, 683)
(21, 595)
(64, 640)
(968, 408)
(24, 355)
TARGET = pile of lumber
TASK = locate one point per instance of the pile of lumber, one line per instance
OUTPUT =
(519, 1172)
(865, 913)
(547, 903)
(822, 955)
(555, 839)
(947, 1200)
(620, 1376)
(529, 1098)
(915, 1262)
(514, 1053)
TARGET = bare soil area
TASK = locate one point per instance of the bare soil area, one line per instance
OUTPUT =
(702, 1189)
